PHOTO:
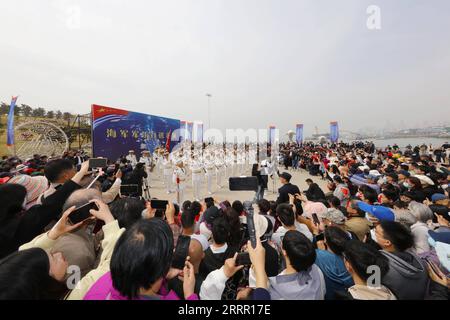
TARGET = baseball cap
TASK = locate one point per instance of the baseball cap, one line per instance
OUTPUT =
(404, 172)
(379, 212)
(19, 168)
(438, 196)
(335, 216)
(440, 236)
(261, 224)
(211, 214)
(374, 173)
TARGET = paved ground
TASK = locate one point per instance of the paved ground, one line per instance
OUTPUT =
(158, 190)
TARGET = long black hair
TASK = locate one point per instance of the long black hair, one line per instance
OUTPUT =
(12, 197)
(25, 275)
(142, 256)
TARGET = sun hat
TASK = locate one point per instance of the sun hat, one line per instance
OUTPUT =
(335, 216)
(35, 185)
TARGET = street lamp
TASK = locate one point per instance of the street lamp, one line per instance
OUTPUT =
(209, 109)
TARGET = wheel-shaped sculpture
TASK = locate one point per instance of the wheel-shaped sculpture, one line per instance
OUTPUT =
(38, 137)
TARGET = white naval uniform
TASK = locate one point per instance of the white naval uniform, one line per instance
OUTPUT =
(220, 167)
(168, 172)
(235, 166)
(197, 177)
(179, 173)
(157, 161)
(228, 166)
(132, 159)
(210, 170)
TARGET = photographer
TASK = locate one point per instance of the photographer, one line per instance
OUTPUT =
(257, 171)
(136, 177)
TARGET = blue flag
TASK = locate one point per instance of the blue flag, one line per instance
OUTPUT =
(299, 133)
(272, 134)
(10, 128)
(190, 131)
(334, 131)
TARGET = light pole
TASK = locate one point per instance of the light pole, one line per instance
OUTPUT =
(209, 109)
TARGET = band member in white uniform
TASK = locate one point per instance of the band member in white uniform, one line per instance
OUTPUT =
(157, 163)
(179, 180)
(220, 169)
(147, 160)
(168, 173)
(197, 177)
(229, 165)
(235, 164)
(210, 168)
(131, 157)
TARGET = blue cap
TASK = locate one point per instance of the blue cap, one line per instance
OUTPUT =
(440, 236)
(438, 196)
(404, 172)
(379, 212)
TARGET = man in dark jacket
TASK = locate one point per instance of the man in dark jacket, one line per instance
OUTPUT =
(407, 277)
(314, 192)
(136, 177)
(286, 189)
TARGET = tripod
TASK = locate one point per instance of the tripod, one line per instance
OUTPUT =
(146, 189)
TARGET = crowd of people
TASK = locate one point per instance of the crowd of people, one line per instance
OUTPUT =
(379, 231)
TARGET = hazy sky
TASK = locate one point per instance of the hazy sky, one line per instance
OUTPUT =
(265, 62)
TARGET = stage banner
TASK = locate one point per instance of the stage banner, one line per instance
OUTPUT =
(272, 134)
(190, 131)
(116, 131)
(10, 124)
(199, 133)
(334, 132)
(183, 131)
(299, 133)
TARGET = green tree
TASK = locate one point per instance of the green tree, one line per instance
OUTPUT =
(4, 108)
(17, 110)
(59, 115)
(38, 112)
(26, 110)
(50, 114)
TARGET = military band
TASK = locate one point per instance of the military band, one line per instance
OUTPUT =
(207, 167)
